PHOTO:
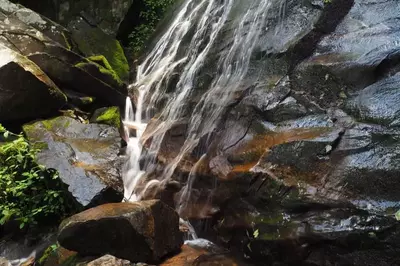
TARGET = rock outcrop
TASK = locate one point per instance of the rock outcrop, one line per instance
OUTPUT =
(58, 58)
(85, 155)
(308, 149)
(139, 232)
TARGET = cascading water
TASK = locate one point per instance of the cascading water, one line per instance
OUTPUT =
(203, 21)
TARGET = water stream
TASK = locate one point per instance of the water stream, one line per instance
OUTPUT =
(203, 22)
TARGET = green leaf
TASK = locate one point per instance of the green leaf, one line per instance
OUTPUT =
(397, 215)
(256, 233)
(6, 134)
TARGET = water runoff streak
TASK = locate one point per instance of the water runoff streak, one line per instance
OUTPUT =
(203, 20)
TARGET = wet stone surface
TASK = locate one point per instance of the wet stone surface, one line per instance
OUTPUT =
(85, 155)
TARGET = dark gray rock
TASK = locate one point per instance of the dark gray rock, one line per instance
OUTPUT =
(378, 103)
(144, 231)
(25, 91)
(360, 50)
(54, 49)
(107, 14)
(367, 166)
(85, 155)
(303, 155)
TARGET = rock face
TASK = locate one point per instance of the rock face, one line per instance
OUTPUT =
(85, 155)
(107, 14)
(53, 55)
(378, 103)
(139, 232)
(25, 91)
(308, 149)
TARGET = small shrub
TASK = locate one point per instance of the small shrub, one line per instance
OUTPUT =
(28, 191)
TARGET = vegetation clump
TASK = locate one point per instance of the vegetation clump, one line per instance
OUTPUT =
(28, 191)
(152, 13)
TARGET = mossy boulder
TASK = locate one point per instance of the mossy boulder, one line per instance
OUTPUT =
(92, 41)
(107, 115)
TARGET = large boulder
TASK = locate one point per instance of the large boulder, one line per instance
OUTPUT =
(85, 155)
(25, 91)
(145, 231)
(54, 49)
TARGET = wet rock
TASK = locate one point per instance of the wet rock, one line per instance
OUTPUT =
(107, 14)
(85, 155)
(220, 167)
(378, 103)
(275, 104)
(66, 73)
(25, 91)
(198, 255)
(264, 99)
(360, 50)
(132, 231)
(367, 165)
(304, 154)
(53, 49)
(92, 41)
(109, 260)
(49, 28)
(311, 121)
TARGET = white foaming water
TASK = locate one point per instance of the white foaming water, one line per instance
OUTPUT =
(203, 21)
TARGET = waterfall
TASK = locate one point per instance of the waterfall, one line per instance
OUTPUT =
(203, 21)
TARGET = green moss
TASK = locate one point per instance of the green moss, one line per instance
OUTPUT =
(94, 42)
(50, 251)
(55, 123)
(40, 145)
(87, 100)
(67, 44)
(102, 65)
(109, 116)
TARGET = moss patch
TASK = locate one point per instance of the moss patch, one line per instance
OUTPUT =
(109, 116)
(100, 63)
(93, 42)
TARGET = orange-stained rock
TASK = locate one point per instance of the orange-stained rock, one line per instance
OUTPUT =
(199, 257)
(144, 231)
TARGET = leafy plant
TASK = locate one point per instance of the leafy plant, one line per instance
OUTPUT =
(153, 11)
(28, 191)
